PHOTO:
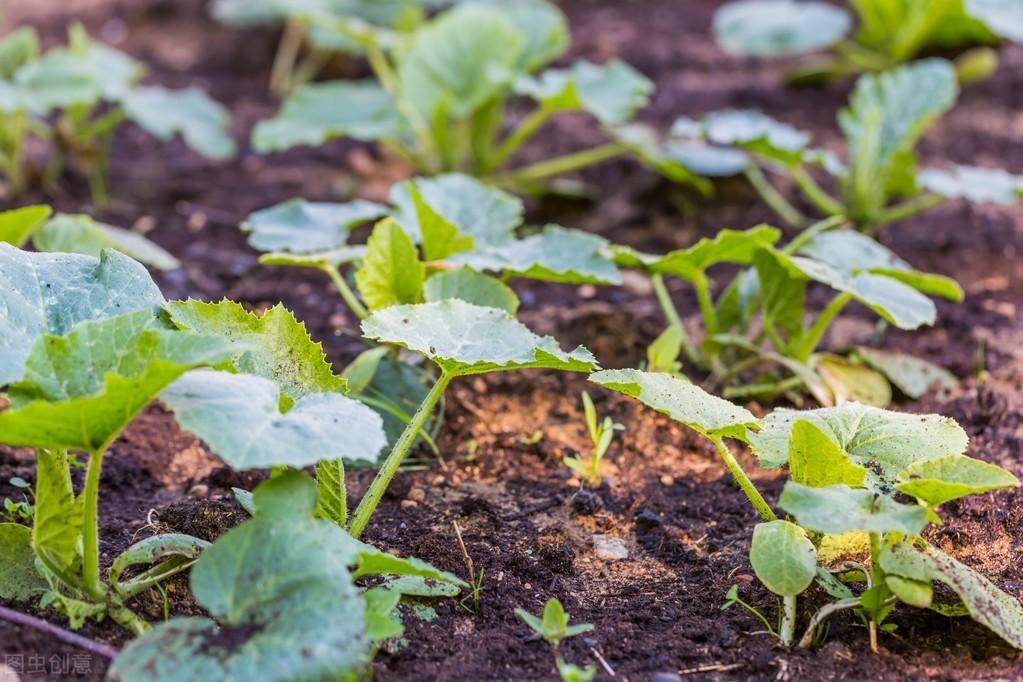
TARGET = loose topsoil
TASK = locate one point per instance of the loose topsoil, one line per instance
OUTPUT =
(526, 525)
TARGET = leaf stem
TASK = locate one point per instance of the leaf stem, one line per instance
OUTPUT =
(710, 317)
(804, 237)
(760, 389)
(908, 208)
(90, 527)
(814, 192)
(287, 55)
(674, 319)
(376, 490)
(529, 126)
(820, 326)
(346, 291)
(787, 631)
(773, 198)
(821, 615)
(755, 498)
(562, 164)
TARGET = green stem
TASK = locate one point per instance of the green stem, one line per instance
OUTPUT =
(376, 490)
(909, 208)
(821, 615)
(758, 501)
(815, 193)
(710, 317)
(90, 527)
(787, 632)
(774, 387)
(284, 60)
(671, 314)
(127, 619)
(773, 198)
(401, 416)
(522, 134)
(821, 324)
(562, 164)
(807, 235)
(346, 291)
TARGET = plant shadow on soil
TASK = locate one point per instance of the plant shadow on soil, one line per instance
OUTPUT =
(524, 522)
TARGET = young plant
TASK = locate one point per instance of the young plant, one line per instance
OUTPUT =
(441, 92)
(283, 599)
(307, 45)
(22, 510)
(601, 434)
(889, 33)
(461, 339)
(87, 90)
(554, 629)
(766, 306)
(879, 181)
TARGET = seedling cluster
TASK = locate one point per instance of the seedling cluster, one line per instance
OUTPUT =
(88, 341)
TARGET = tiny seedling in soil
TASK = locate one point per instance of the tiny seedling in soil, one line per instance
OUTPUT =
(553, 627)
(601, 434)
(888, 34)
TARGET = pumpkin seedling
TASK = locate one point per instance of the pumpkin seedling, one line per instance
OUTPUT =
(601, 434)
(553, 627)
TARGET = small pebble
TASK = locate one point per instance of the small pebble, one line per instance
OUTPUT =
(416, 495)
(199, 490)
(409, 504)
(610, 548)
(667, 480)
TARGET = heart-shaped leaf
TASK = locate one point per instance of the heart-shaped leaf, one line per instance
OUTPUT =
(300, 226)
(681, 400)
(783, 557)
(42, 293)
(775, 28)
(816, 460)
(81, 234)
(840, 509)
(938, 481)
(391, 272)
(468, 339)
(239, 418)
(727, 246)
(471, 287)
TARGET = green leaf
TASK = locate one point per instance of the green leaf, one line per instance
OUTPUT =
(782, 293)
(886, 116)
(541, 24)
(612, 93)
(471, 287)
(285, 606)
(840, 509)
(911, 375)
(747, 129)
(883, 442)
(681, 400)
(157, 548)
(488, 214)
(468, 339)
(43, 293)
(58, 521)
(81, 234)
(245, 13)
(79, 391)
(662, 354)
(372, 561)
(320, 112)
(239, 418)
(973, 183)
(300, 226)
(440, 238)
(202, 123)
(391, 273)
(17, 48)
(333, 497)
(558, 254)
(727, 246)
(19, 579)
(783, 557)
(460, 61)
(816, 460)
(938, 481)
(274, 345)
(775, 28)
(17, 225)
(1004, 17)
(851, 381)
(668, 158)
(316, 260)
(987, 604)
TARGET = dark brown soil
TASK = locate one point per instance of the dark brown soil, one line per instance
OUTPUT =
(524, 521)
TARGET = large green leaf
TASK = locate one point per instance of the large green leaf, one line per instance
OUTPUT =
(939, 480)
(887, 114)
(274, 345)
(440, 237)
(468, 339)
(488, 214)
(816, 460)
(391, 272)
(202, 123)
(774, 28)
(612, 92)
(727, 246)
(782, 293)
(472, 287)
(19, 579)
(783, 557)
(300, 226)
(557, 254)
(284, 603)
(240, 419)
(42, 293)
(81, 234)
(1004, 17)
(459, 62)
(17, 225)
(323, 111)
(841, 509)
(541, 24)
(986, 603)
(974, 183)
(883, 442)
(681, 400)
(79, 391)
